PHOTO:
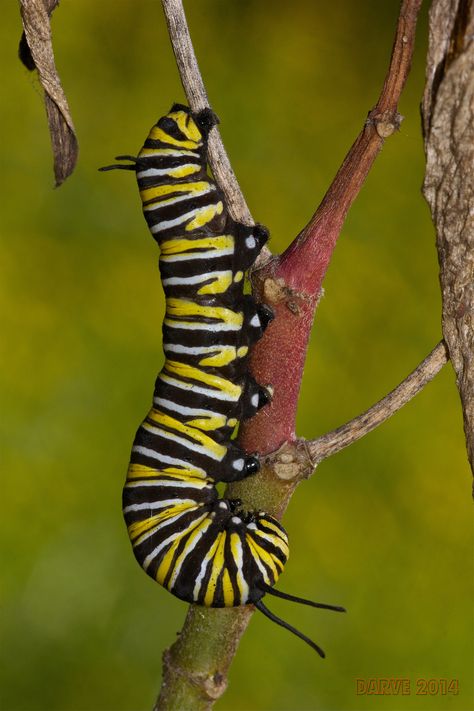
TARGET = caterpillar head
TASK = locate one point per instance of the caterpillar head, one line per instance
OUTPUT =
(180, 129)
(183, 124)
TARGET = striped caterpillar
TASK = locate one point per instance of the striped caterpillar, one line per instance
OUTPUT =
(203, 549)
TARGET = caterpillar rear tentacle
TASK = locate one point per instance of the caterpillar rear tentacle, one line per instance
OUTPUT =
(203, 549)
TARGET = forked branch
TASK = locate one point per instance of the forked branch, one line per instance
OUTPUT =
(196, 666)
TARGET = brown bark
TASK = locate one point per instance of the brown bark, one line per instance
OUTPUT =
(448, 121)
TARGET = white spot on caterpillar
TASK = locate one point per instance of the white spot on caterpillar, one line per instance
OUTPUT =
(250, 242)
(254, 400)
(236, 519)
(238, 464)
(255, 321)
(222, 505)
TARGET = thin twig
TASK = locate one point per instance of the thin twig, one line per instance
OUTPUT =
(196, 94)
(347, 434)
(305, 261)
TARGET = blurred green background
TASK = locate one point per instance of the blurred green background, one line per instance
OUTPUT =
(384, 528)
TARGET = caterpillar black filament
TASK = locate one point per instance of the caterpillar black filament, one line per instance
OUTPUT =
(203, 549)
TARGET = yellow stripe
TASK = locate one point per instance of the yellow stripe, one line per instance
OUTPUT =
(157, 134)
(208, 424)
(205, 215)
(162, 190)
(218, 285)
(182, 308)
(224, 356)
(187, 371)
(273, 527)
(171, 152)
(180, 246)
(228, 589)
(140, 471)
(194, 434)
(217, 564)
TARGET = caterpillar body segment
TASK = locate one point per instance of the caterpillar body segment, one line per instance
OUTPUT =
(203, 549)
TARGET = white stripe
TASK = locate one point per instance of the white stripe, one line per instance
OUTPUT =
(164, 483)
(240, 576)
(202, 572)
(195, 279)
(260, 565)
(191, 411)
(209, 254)
(171, 538)
(187, 217)
(164, 434)
(164, 171)
(163, 153)
(197, 350)
(162, 504)
(152, 454)
(196, 326)
(171, 152)
(216, 394)
(190, 547)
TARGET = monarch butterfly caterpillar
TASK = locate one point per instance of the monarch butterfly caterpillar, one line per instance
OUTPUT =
(203, 549)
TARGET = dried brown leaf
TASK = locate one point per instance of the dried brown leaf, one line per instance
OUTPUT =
(36, 52)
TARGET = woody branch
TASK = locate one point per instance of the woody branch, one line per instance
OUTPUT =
(196, 666)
